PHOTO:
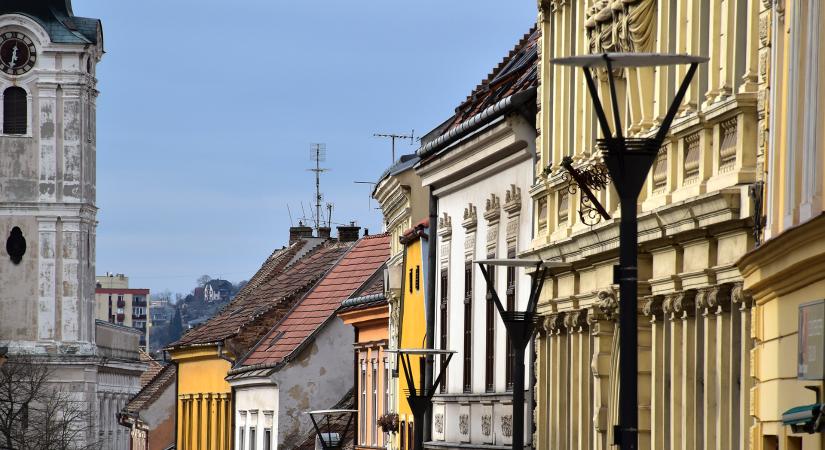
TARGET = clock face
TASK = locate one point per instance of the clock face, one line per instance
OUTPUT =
(17, 53)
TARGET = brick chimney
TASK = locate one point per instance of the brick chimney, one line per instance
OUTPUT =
(348, 233)
(324, 232)
(300, 232)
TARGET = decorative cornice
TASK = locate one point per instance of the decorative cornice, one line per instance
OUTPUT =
(512, 200)
(445, 225)
(470, 217)
(492, 208)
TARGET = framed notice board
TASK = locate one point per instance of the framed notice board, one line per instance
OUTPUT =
(811, 359)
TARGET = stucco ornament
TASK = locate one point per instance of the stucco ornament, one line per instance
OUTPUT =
(486, 424)
(507, 425)
(653, 306)
(439, 423)
(608, 304)
(739, 296)
(464, 424)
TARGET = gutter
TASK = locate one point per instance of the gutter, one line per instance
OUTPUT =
(508, 104)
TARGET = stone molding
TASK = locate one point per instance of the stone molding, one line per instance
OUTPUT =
(470, 218)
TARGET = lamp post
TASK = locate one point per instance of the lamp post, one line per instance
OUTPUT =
(331, 440)
(520, 327)
(628, 161)
(421, 398)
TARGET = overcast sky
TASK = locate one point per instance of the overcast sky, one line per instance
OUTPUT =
(207, 111)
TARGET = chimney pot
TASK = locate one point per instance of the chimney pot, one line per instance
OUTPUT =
(298, 233)
(324, 232)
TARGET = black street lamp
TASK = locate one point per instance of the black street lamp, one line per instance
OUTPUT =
(520, 327)
(420, 399)
(628, 161)
(331, 439)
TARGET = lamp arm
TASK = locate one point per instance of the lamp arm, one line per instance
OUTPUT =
(677, 101)
(491, 289)
(440, 378)
(597, 104)
(536, 291)
(617, 120)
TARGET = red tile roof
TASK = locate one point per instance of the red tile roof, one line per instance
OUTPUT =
(367, 256)
(154, 367)
(152, 390)
(270, 295)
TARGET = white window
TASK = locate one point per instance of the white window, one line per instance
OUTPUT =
(363, 402)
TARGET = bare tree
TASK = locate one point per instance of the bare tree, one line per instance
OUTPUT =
(34, 415)
(203, 279)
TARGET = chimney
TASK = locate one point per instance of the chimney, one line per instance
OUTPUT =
(324, 232)
(299, 232)
(348, 233)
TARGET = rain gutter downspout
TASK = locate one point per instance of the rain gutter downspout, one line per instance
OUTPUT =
(432, 236)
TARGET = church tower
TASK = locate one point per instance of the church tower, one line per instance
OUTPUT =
(48, 90)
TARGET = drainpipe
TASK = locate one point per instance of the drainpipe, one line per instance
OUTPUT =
(431, 263)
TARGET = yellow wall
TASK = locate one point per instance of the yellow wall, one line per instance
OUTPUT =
(204, 406)
(413, 323)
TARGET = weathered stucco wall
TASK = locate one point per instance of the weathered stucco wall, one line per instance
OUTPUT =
(160, 419)
(18, 169)
(18, 302)
(317, 379)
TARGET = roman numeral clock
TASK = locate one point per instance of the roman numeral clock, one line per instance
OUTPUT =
(17, 53)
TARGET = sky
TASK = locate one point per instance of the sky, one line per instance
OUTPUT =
(207, 111)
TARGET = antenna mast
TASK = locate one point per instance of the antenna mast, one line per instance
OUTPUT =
(393, 137)
(318, 154)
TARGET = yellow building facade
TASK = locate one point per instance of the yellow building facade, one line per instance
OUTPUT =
(696, 219)
(788, 269)
(204, 408)
(412, 322)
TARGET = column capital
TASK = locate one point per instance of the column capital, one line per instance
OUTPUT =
(739, 296)
(653, 307)
(680, 305)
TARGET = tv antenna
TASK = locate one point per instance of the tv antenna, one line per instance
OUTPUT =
(318, 154)
(393, 137)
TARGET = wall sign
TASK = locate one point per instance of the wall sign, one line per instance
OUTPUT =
(811, 359)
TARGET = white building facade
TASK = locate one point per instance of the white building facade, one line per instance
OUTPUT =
(480, 182)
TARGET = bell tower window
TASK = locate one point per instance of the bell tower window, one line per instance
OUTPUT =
(15, 111)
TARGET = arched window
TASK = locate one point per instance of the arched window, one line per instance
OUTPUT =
(15, 113)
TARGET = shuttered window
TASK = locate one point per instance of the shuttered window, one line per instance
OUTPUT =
(15, 114)
(443, 329)
(468, 326)
(490, 331)
(511, 306)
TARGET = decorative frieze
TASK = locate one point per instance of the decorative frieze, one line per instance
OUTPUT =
(564, 206)
(507, 425)
(438, 423)
(486, 424)
(727, 148)
(464, 424)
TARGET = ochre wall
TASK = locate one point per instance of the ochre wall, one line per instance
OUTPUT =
(204, 406)
(413, 323)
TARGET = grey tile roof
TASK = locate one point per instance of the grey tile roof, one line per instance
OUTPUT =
(57, 18)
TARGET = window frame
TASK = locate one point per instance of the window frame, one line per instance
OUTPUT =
(23, 103)
(467, 381)
(445, 287)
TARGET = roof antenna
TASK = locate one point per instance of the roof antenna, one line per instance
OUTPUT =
(330, 207)
(291, 222)
(318, 154)
(393, 137)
